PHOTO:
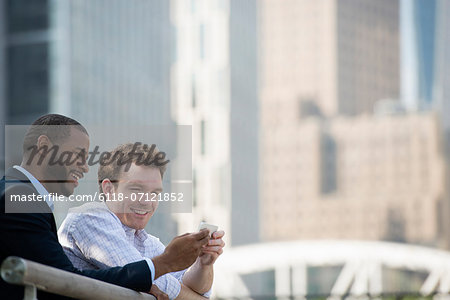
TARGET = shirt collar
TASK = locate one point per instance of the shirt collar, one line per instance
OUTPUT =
(38, 186)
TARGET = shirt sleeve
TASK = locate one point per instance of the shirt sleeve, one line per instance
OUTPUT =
(102, 240)
(168, 283)
(152, 267)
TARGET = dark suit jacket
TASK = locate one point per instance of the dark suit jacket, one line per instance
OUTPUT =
(33, 236)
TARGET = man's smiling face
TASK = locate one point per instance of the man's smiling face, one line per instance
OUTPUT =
(64, 178)
(137, 180)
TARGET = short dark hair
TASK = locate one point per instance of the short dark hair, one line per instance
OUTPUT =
(113, 170)
(47, 125)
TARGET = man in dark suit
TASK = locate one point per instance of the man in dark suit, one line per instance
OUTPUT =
(28, 229)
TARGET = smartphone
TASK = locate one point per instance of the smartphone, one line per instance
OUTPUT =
(211, 228)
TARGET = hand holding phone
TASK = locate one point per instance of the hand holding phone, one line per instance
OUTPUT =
(210, 227)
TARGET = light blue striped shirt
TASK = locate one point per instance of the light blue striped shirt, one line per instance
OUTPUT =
(94, 237)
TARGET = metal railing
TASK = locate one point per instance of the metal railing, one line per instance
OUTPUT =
(32, 276)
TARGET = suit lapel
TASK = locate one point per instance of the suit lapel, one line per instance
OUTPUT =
(14, 176)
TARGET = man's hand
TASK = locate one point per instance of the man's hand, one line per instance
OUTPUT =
(214, 248)
(155, 291)
(181, 252)
(199, 277)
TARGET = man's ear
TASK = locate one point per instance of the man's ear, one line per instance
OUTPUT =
(42, 141)
(107, 186)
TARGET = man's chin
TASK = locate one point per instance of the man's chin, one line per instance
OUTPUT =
(67, 191)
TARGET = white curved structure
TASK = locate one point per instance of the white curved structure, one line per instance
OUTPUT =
(361, 274)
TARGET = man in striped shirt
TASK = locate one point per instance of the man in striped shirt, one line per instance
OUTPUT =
(111, 233)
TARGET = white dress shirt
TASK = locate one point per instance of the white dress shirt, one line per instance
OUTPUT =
(38, 186)
(93, 237)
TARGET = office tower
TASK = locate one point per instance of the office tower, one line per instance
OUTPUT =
(244, 114)
(418, 43)
(101, 62)
(360, 178)
(442, 67)
(441, 89)
(328, 168)
(112, 68)
(340, 56)
(201, 97)
(425, 43)
(113, 58)
(25, 43)
(86, 58)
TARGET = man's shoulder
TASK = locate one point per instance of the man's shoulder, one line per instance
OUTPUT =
(86, 215)
(89, 208)
(14, 182)
(17, 186)
(152, 237)
(20, 196)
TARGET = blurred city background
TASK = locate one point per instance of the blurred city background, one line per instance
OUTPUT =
(320, 128)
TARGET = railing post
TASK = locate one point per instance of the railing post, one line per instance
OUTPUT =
(13, 271)
(30, 293)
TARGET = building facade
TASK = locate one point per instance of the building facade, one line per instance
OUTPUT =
(379, 178)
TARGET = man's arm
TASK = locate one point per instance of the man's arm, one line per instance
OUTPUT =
(200, 276)
(30, 236)
(187, 294)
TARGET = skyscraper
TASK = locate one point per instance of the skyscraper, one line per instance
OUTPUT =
(340, 56)
(441, 87)
(201, 98)
(101, 62)
(25, 43)
(324, 64)
(418, 47)
(244, 114)
(112, 58)
(26, 49)
(359, 178)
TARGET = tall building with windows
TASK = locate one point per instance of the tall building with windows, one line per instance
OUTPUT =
(201, 98)
(418, 40)
(215, 89)
(26, 48)
(441, 85)
(112, 58)
(379, 178)
(244, 121)
(329, 167)
(25, 45)
(425, 44)
(86, 59)
(341, 56)
(103, 62)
